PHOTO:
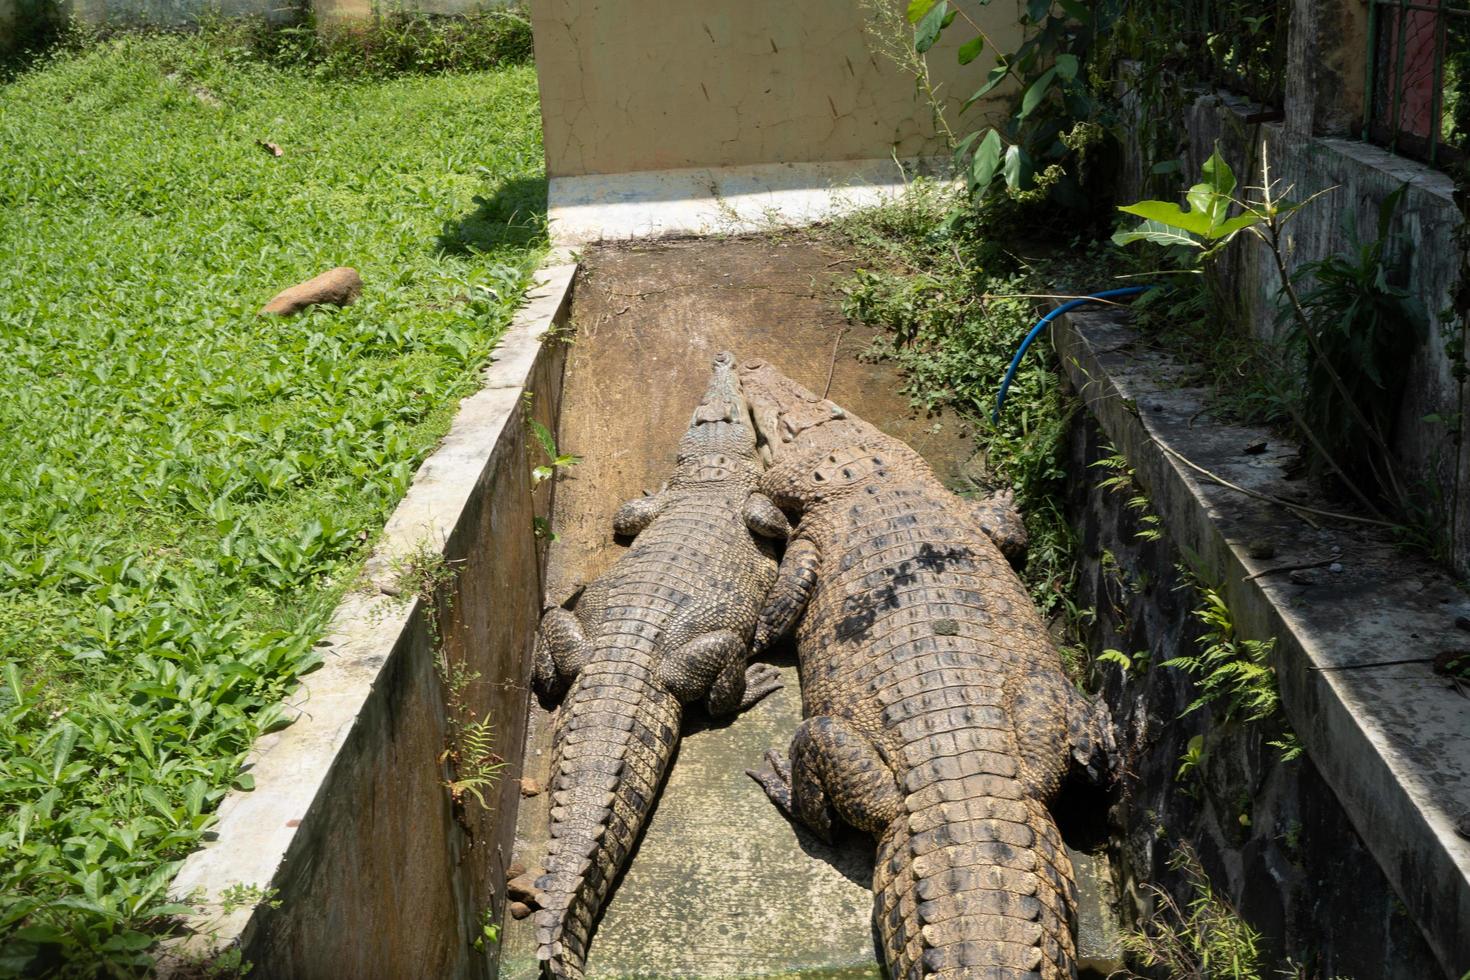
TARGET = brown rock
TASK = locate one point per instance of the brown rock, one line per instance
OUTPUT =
(339, 287)
(518, 910)
(529, 787)
(516, 869)
(523, 889)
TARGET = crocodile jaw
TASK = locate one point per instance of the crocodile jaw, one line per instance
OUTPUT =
(720, 425)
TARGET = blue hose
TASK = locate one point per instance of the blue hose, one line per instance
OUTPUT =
(1000, 399)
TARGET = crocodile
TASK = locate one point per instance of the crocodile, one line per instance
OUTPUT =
(936, 713)
(669, 624)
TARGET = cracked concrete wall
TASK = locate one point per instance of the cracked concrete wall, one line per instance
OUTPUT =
(660, 84)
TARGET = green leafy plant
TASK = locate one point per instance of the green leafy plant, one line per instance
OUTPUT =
(1234, 672)
(1199, 234)
(1053, 117)
(555, 459)
(1363, 329)
(1203, 939)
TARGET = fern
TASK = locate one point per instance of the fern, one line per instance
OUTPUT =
(1227, 668)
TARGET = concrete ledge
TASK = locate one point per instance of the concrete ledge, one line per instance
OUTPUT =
(1389, 736)
(377, 871)
(719, 200)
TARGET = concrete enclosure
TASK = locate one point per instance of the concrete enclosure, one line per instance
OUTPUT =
(659, 84)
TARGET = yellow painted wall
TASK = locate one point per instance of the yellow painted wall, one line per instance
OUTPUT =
(631, 85)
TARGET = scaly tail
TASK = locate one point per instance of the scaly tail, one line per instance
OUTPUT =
(614, 742)
(978, 887)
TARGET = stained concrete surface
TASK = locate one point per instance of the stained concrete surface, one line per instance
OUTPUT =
(722, 885)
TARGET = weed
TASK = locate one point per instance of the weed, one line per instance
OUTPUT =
(1205, 939)
(555, 459)
(190, 488)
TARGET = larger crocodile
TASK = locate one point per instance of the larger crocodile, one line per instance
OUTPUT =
(669, 624)
(937, 716)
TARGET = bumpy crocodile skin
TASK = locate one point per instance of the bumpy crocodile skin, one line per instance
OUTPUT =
(669, 624)
(937, 714)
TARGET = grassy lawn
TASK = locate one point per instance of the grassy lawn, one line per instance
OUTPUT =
(188, 487)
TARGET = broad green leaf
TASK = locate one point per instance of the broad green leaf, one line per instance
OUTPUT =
(917, 9)
(971, 49)
(927, 30)
(1159, 234)
(1238, 223)
(1036, 10)
(1066, 66)
(1017, 168)
(987, 158)
(1172, 216)
(996, 76)
(1076, 10)
(1036, 92)
(1211, 197)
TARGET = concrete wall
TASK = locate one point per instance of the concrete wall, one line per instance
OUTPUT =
(660, 84)
(377, 870)
(1271, 835)
(1354, 621)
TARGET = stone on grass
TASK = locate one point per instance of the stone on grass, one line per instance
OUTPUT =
(339, 287)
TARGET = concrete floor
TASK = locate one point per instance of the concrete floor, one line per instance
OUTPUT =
(722, 885)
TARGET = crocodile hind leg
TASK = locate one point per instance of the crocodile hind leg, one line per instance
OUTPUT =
(562, 650)
(834, 766)
(1061, 733)
(712, 666)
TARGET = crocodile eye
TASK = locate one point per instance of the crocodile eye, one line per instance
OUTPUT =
(846, 473)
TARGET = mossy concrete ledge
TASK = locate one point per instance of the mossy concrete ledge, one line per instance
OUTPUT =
(373, 870)
(1355, 634)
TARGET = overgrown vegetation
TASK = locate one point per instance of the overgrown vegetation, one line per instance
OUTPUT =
(190, 487)
(1203, 939)
(394, 42)
(1346, 332)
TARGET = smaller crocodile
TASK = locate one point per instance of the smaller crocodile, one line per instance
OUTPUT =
(669, 624)
(937, 714)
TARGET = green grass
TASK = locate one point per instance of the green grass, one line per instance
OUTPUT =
(188, 487)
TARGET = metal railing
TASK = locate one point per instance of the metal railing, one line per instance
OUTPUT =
(1418, 81)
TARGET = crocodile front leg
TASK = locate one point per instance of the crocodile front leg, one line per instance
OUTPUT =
(562, 650)
(834, 766)
(638, 513)
(795, 580)
(765, 518)
(1001, 521)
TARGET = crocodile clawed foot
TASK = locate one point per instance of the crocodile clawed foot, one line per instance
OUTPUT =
(760, 680)
(776, 781)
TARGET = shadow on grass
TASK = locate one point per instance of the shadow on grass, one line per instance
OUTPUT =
(514, 217)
